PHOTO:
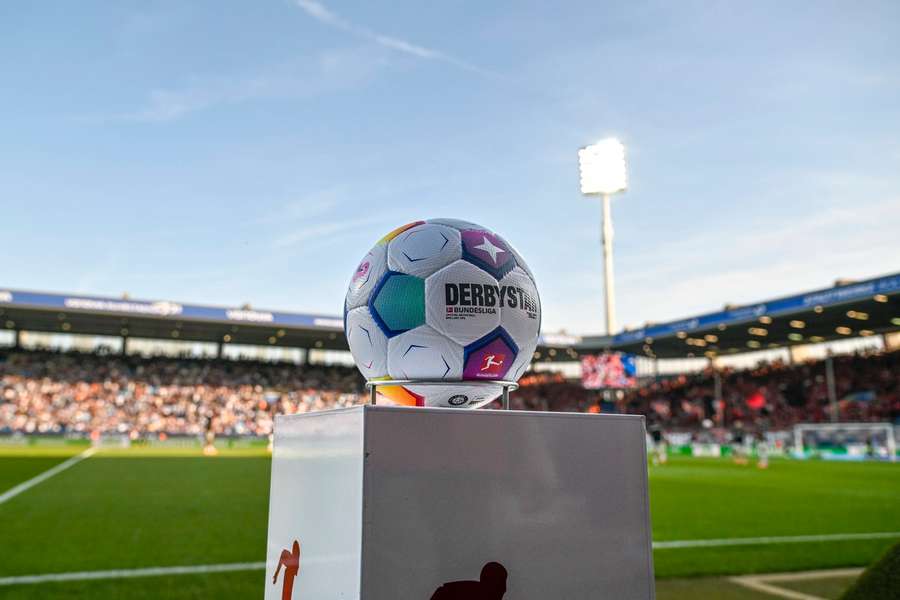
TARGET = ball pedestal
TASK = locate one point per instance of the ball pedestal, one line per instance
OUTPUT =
(507, 387)
(389, 503)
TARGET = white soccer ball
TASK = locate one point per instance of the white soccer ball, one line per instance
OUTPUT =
(442, 300)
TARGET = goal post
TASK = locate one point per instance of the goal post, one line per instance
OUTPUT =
(845, 441)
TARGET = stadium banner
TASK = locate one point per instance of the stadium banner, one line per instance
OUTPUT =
(165, 309)
(609, 370)
(837, 295)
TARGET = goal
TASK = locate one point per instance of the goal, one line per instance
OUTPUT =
(845, 441)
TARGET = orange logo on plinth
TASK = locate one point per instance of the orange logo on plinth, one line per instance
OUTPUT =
(291, 563)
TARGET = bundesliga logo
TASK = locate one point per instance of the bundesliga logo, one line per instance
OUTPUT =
(492, 363)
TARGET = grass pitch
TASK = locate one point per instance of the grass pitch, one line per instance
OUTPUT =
(150, 507)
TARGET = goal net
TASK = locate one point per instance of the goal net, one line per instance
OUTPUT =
(845, 441)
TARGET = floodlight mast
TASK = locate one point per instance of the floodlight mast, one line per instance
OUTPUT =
(608, 277)
(603, 173)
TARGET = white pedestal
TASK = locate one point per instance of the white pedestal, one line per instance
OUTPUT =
(390, 503)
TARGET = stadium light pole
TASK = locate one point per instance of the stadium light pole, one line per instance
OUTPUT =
(602, 167)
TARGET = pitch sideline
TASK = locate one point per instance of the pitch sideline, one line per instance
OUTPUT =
(129, 573)
(757, 582)
(27, 485)
(788, 539)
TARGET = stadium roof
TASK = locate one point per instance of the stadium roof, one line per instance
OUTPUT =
(846, 310)
(94, 315)
(852, 309)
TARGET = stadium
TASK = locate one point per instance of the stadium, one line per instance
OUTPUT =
(152, 384)
(321, 299)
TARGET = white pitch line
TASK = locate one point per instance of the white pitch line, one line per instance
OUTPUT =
(761, 586)
(762, 583)
(127, 573)
(27, 485)
(788, 539)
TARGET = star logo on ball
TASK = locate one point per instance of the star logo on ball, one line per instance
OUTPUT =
(489, 248)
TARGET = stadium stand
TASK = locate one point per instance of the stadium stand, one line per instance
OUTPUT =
(777, 395)
(51, 392)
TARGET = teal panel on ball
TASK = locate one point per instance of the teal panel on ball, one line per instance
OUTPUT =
(400, 302)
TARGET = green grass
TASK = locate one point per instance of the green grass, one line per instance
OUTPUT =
(709, 498)
(247, 584)
(881, 581)
(691, 589)
(161, 506)
(829, 588)
(16, 470)
(826, 587)
(110, 512)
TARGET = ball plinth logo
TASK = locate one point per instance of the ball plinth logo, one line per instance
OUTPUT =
(442, 300)
(290, 560)
(491, 584)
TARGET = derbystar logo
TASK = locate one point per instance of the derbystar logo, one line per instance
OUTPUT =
(479, 297)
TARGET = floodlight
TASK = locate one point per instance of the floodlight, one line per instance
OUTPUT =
(602, 167)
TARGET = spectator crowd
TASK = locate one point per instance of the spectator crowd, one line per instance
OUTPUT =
(770, 396)
(776, 395)
(48, 392)
(52, 392)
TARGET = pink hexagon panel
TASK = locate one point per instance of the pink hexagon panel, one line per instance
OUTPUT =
(488, 251)
(490, 357)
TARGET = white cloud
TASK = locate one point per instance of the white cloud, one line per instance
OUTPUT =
(320, 230)
(322, 14)
(308, 206)
(326, 72)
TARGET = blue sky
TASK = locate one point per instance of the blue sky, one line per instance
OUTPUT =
(230, 152)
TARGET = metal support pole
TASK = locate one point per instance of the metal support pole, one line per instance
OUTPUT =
(17, 342)
(219, 350)
(372, 395)
(798, 439)
(832, 389)
(609, 284)
(505, 398)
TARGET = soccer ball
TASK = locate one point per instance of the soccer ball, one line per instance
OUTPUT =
(442, 300)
